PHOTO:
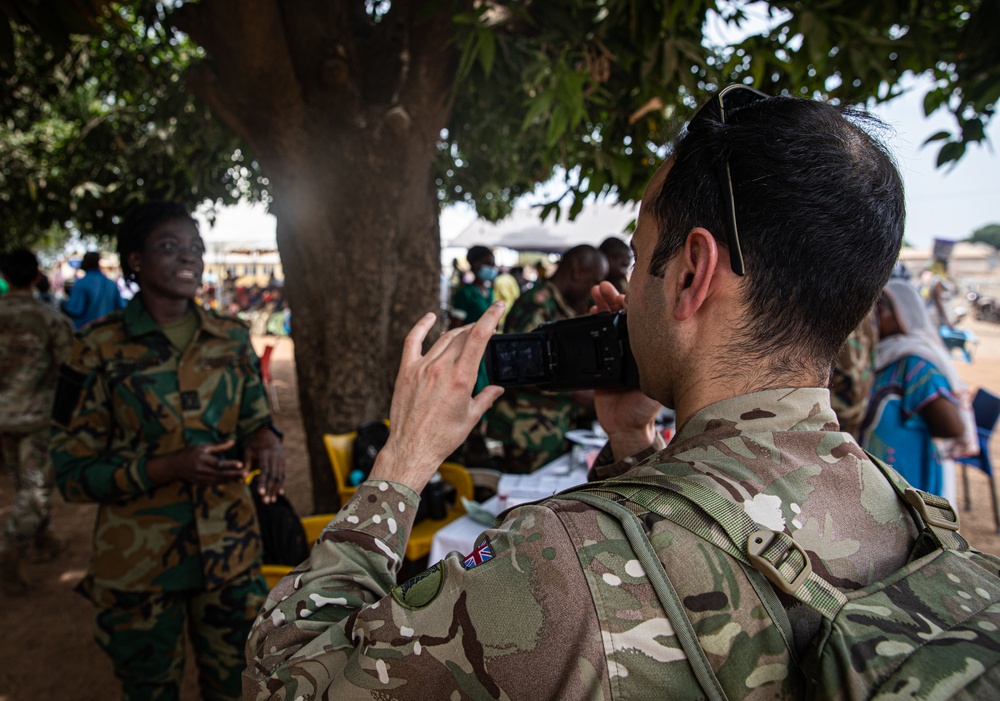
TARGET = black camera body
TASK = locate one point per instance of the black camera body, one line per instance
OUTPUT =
(586, 352)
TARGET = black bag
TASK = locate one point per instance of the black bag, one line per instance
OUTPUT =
(371, 438)
(283, 536)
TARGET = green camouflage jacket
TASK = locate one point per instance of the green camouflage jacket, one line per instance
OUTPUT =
(126, 396)
(532, 424)
(553, 602)
(35, 340)
(853, 376)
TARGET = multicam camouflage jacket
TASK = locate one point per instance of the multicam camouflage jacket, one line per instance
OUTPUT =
(553, 602)
(532, 424)
(36, 340)
(853, 376)
(126, 396)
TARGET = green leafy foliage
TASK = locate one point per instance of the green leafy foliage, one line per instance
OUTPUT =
(589, 88)
(597, 85)
(987, 234)
(93, 126)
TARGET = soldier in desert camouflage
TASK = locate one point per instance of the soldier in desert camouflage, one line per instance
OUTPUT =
(738, 304)
(160, 413)
(35, 339)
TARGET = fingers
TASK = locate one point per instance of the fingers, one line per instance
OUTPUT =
(219, 447)
(480, 334)
(414, 343)
(272, 475)
(607, 298)
(485, 399)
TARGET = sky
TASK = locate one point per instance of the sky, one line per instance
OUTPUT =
(942, 203)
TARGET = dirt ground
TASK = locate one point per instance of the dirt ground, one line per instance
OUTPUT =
(46, 647)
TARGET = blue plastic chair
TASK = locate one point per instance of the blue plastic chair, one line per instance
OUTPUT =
(986, 407)
(961, 340)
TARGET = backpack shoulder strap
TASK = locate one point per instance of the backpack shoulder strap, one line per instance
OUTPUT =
(775, 554)
(935, 516)
(664, 589)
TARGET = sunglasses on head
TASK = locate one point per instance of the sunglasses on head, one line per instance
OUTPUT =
(730, 98)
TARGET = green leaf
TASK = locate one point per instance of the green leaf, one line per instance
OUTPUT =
(950, 152)
(937, 137)
(487, 50)
(933, 100)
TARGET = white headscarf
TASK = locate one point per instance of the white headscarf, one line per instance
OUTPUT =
(919, 336)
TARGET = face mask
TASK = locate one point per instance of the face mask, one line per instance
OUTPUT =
(488, 273)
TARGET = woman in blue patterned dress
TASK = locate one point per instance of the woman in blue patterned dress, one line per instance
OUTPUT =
(915, 395)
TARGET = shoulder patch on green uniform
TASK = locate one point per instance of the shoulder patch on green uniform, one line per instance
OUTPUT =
(420, 590)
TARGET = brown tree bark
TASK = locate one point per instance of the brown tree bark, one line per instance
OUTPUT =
(343, 116)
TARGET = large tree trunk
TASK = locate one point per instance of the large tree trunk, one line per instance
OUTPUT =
(345, 131)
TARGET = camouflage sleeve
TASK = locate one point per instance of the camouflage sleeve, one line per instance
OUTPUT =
(62, 340)
(82, 425)
(477, 627)
(255, 411)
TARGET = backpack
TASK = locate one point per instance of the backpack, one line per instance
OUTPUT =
(284, 538)
(371, 438)
(931, 630)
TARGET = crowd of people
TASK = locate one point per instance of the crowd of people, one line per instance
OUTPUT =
(155, 410)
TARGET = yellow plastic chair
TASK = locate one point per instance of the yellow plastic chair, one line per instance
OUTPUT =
(340, 448)
(314, 525)
(422, 534)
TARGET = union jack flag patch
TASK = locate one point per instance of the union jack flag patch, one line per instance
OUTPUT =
(482, 553)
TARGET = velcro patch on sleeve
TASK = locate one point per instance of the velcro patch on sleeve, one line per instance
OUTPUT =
(420, 590)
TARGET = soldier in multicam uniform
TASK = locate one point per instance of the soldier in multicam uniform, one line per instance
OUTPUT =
(853, 376)
(160, 414)
(35, 340)
(532, 424)
(553, 602)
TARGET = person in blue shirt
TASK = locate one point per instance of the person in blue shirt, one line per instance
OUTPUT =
(915, 396)
(94, 295)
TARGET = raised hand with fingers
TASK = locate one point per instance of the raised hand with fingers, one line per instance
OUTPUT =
(433, 409)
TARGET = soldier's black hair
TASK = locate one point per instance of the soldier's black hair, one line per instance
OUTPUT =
(20, 267)
(139, 223)
(820, 210)
(477, 253)
(613, 246)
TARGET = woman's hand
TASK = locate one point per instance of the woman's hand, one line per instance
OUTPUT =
(264, 453)
(197, 464)
(433, 409)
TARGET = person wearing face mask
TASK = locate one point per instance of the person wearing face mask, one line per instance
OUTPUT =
(160, 413)
(475, 297)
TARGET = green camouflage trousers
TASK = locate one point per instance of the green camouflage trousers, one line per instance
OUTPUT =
(143, 634)
(26, 457)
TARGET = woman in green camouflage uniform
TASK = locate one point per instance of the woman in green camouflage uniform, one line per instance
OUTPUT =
(160, 413)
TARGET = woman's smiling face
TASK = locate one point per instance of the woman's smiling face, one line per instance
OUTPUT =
(171, 263)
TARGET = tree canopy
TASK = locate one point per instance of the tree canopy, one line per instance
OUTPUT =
(92, 122)
(987, 234)
(93, 111)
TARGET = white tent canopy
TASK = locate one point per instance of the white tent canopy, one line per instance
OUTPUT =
(243, 228)
(524, 230)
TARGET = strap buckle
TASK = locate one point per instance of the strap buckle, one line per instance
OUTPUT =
(924, 503)
(769, 550)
